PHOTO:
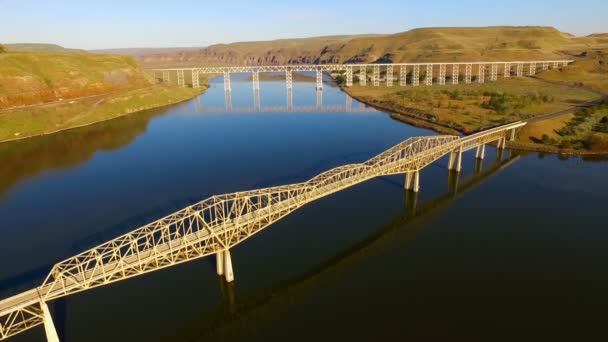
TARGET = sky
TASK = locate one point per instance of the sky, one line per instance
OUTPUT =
(96, 24)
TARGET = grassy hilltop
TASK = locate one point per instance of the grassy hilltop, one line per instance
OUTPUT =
(418, 45)
(45, 92)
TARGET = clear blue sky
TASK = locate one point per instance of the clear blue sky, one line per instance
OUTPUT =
(136, 23)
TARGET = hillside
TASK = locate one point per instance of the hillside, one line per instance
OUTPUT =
(418, 45)
(142, 51)
(282, 51)
(33, 47)
(28, 78)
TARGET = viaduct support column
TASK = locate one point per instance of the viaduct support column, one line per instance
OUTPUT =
(412, 181)
(363, 75)
(441, 74)
(289, 79)
(227, 81)
(376, 76)
(416, 75)
(467, 74)
(319, 80)
(403, 75)
(507, 71)
(180, 78)
(219, 263)
(389, 75)
(455, 73)
(532, 70)
(195, 83)
(49, 326)
(481, 74)
(520, 69)
(494, 72)
(166, 77)
(256, 80)
(481, 151)
(429, 75)
(349, 76)
(455, 163)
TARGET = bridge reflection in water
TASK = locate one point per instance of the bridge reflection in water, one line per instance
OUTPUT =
(257, 106)
(214, 225)
(267, 302)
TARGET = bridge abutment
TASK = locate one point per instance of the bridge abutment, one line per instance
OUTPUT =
(49, 326)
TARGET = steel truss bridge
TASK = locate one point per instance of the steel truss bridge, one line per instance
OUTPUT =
(425, 73)
(219, 223)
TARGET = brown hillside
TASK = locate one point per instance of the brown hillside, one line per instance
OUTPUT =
(418, 45)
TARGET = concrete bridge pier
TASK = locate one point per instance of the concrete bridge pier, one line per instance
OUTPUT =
(49, 326)
(228, 273)
(223, 263)
(481, 152)
(412, 181)
(512, 137)
(502, 143)
(455, 163)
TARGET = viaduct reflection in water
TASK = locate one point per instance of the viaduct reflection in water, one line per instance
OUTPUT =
(257, 106)
(243, 312)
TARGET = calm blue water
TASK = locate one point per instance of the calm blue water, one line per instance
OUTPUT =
(514, 251)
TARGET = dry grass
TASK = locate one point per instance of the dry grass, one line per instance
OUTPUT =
(464, 107)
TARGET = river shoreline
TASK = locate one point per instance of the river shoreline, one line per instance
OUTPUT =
(421, 122)
(203, 88)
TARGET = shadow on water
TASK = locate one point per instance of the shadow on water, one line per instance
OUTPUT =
(26, 158)
(240, 312)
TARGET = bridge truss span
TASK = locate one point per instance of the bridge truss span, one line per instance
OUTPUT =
(215, 225)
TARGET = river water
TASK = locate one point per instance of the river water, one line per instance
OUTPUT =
(514, 249)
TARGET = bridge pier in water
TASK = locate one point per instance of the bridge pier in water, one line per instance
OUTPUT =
(481, 152)
(412, 181)
(223, 264)
(49, 326)
(455, 163)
